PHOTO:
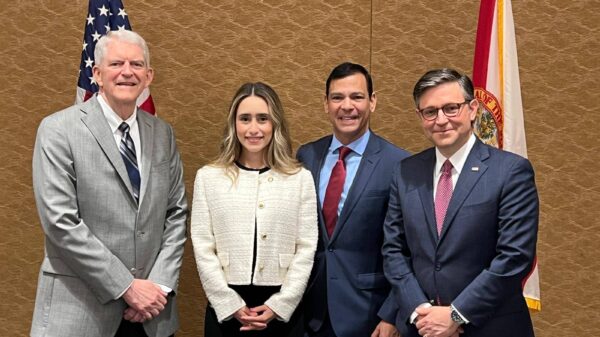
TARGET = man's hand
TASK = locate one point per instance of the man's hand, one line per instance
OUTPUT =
(260, 318)
(146, 298)
(133, 316)
(436, 322)
(385, 329)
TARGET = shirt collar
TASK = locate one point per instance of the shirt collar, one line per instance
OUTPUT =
(112, 118)
(458, 159)
(358, 146)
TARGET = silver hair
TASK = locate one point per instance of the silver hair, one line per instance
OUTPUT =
(436, 77)
(120, 35)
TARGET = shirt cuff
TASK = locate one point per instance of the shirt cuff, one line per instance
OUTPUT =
(164, 288)
(459, 314)
(124, 291)
(413, 316)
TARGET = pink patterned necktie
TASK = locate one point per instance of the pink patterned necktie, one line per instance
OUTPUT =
(443, 195)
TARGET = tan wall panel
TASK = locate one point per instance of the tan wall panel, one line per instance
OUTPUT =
(409, 38)
(559, 45)
(203, 50)
(37, 75)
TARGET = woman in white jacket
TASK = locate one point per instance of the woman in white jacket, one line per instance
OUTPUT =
(254, 222)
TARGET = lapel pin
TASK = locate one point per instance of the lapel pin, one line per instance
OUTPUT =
(475, 168)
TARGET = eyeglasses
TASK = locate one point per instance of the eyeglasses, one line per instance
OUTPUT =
(449, 110)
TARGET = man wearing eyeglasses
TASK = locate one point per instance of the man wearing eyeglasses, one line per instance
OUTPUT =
(461, 227)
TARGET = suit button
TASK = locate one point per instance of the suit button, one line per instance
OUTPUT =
(438, 266)
(270, 179)
(330, 249)
(264, 236)
(132, 270)
(261, 205)
(261, 267)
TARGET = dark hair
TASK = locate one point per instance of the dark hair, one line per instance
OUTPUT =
(348, 69)
(435, 77)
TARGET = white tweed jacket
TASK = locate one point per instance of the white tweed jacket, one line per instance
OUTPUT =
(223, 228)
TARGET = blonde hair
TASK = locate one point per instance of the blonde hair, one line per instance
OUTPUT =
(279, 151)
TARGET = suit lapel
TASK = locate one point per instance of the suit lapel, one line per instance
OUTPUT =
(95, 121)
(145, 125)
(366, 168)
(315, 169)
(320, 155)
(426, 190)
(473, 169)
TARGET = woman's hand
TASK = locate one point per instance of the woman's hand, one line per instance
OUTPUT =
(242, 315)
(258, 319)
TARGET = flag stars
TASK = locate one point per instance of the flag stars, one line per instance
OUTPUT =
(84, 45)
(103, 10)
(92, 80)
(89, 62)
(96, 36)
(107, 27)
(121, 28)
(90, 19)
(122, 13)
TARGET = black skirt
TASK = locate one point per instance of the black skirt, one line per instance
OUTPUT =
(253, 296)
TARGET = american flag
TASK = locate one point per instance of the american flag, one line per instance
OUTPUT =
(102, 17)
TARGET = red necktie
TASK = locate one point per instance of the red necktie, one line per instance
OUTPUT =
(334, 191)
(443, 195)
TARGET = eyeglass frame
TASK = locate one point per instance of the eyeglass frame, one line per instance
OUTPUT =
(437, 110)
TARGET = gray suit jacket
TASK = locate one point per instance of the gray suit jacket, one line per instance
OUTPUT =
(97, 236)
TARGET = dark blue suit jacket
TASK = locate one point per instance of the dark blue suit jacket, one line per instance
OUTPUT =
(347, 279)
(486, 247)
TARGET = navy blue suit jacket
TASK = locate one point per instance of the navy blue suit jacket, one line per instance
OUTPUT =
(486, 247)
(347, 279)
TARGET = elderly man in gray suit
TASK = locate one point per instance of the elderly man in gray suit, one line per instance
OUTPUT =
(109, 190)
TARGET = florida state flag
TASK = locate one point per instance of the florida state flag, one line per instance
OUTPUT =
(498, 89)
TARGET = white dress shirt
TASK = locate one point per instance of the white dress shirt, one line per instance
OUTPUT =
(114, 121)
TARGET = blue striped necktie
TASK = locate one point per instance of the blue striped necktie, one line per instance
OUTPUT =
(127, 149)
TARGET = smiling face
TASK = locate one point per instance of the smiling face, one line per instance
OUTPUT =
(448, 134)
(254, 130)
(122, 75)
(349, 107)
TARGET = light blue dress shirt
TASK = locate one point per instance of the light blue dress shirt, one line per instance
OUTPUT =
(352, 162)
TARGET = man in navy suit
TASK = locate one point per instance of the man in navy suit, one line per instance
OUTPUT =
(461, 229)
(347, 294)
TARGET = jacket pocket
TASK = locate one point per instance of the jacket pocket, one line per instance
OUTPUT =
(285, 260)
(284, 264)
(223, 259)
(376, 193)
(371, 281)
(56, 266)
